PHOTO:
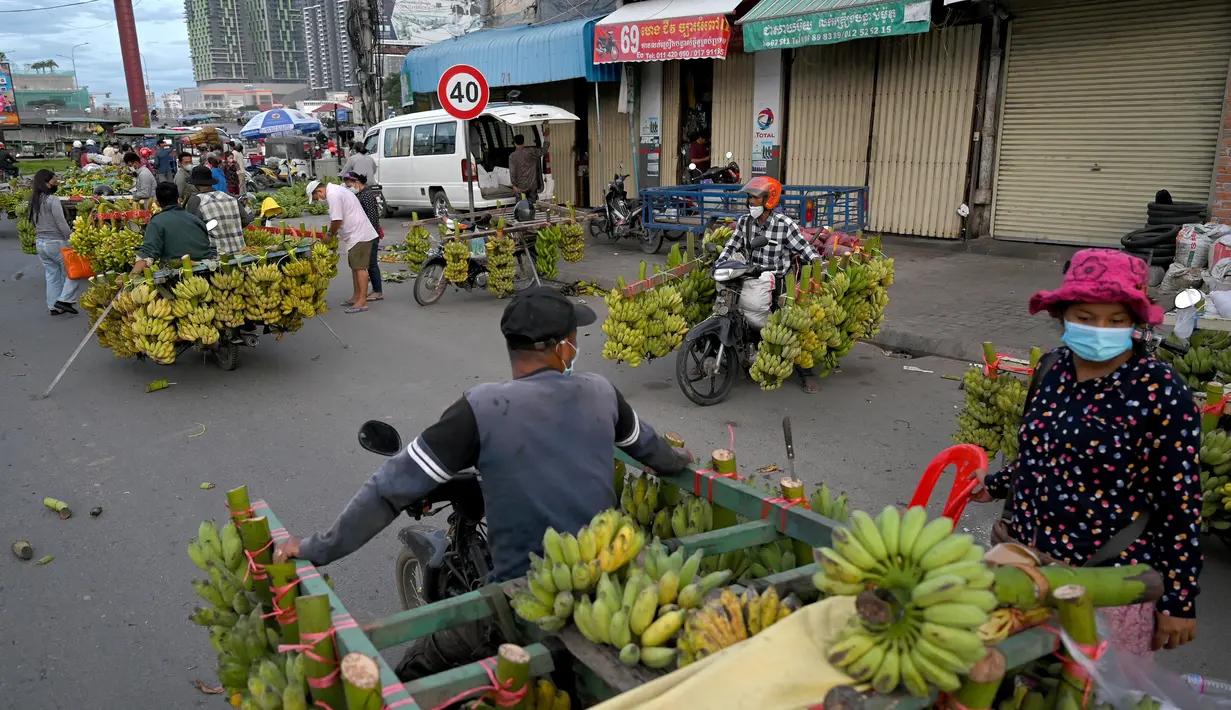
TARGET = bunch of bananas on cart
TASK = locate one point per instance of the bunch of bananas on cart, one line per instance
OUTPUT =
(1216, 480)
(992, 413)
(500, 265)
(1208, 358)
(544, 695)
(624, 327)
(825, 504)
(26, 233)
(108, 244)
(250, 669)
(697, 288)
(193, 309)
(780, 345)
(547, 248)
(418, 242)
(10, 199)
(150, 320)
(102, 289)
(727, 618)
(457, 260)
(923, 594)
(230, 310)
(717, 236)
(572, 238)
(262, 291)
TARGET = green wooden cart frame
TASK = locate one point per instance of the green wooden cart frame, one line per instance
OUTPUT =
(597, 672)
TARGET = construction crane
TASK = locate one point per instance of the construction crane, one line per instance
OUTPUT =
(363, 29)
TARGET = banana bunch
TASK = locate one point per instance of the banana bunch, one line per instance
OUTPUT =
(544, 695)
(718, 236)
(102, 290)
(624, 326)
(572, 238)
(457, 261)
(500, 265)
(194, 316)
(27, 234)
(1006, 621)
(691, 516)
(824, 503)
(779, 347)
(109, 246)
(225, 283)
(418, 242)
(151, 323)
(992, 414)
(727, 619)
(696, 288)
(262, 291)
(757, 562)
(1196, 367)
(665, 326)
(919, 628)
(547, 248)
(299, 292)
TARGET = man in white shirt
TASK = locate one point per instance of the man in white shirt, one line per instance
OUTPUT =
(349, 223)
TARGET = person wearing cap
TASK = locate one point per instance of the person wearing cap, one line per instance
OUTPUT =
(172, 233)
(541, 443)
(1107, 471)
(358, 184)
(355, 235)
(785, 243)
(269, 209)
(164, 162)
(209, 203)
(74, 154)
(144, 181)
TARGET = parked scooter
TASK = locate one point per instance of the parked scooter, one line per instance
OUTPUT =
(719, 174)
(621, 217)
(436, 563)
(430, 284)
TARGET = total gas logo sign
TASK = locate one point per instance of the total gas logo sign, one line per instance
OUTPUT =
(765, 119)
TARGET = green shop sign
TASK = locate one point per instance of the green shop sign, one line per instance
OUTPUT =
(882, 20)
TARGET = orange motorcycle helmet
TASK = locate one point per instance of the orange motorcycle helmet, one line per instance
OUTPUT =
(765, 187)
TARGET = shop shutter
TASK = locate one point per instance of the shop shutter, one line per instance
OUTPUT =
(668, 170)
(732, 108)
(1104, 104)
(831, 93)
(617, 155)
(564, 161)
(925, 99)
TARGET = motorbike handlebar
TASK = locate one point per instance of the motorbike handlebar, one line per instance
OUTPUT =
(1176, 348)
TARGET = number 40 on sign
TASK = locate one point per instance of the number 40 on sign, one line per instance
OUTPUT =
(463, 92)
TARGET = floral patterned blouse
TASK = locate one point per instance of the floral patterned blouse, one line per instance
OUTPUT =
(1095, 455)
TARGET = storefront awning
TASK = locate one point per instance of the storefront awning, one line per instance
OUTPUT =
(659, 30)
(782, 24)
(512, 56)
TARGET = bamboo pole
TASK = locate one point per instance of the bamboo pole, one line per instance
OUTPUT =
(978, 691)
(361, 681)
(793, 489)
(1076, 611)
(238, 503)
(1213, 395)
(1105, 586)
(989, 356)
(513, 673)
(255, 532)
(1036, 354)
(723, 462)
(314, 618)
(669, 494)
(282, 575)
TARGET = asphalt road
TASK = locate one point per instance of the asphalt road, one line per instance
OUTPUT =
(105, 624)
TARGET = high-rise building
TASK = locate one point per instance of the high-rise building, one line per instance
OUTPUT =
(246, 41)
(331, 60)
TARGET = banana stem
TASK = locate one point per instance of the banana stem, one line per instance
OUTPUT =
(1213, 395)
(1105, 586)
(361, 681)
(978, 692)
(1077, 617)
(1036, 354)
(513, 672)
(989, 356)
(60, 507)
(238, 503)
(314, 618)
(283, 575)
(793, 489)
(723, 461)
(255, 533)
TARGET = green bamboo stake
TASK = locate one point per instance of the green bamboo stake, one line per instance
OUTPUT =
(255, 533)
(793, 489)
(1105, 586)
(1213, 395)
(238, 503)
(281, 575)
(978, 691)
(989, 356)
(314, 618)
(669, 494)
(513, 672)
(361, 681)
(723, 462)
(1036, 354)
(1077, 617)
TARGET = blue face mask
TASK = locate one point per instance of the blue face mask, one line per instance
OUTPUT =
(568, 369)
(1096, 344)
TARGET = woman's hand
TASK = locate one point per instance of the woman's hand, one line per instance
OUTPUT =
(1172, 631)
(980, 493)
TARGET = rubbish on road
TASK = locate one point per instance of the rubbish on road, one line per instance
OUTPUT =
(59, 506)
(912, 368)
(158, 385)
(9, 353)
(96, 511)
(335, 335)
(394, 277)
(193, 436)
(955, 378)
(45, 560)
(206, 486)
(208, 690)
(768, 469)
(22, 549)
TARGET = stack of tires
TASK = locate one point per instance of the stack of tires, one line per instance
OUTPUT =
(1156, 241)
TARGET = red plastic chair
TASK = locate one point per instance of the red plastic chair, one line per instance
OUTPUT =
(969, 460)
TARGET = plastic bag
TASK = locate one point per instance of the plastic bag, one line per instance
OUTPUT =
(76, 266)
(1180, 277)
(1219, 278)
(755, 298)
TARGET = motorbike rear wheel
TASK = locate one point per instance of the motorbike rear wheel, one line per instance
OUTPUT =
(411, 580)
(523, 271)
(601, 232)
(650, 240)
(430, 284)
(693, 360)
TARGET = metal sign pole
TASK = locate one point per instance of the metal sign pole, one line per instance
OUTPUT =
(469, 165)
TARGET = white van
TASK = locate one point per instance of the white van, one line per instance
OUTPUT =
(419, 163)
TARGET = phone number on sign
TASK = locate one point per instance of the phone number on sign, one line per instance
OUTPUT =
(815, 37)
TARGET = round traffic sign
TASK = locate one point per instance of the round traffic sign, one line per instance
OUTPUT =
(463, 92)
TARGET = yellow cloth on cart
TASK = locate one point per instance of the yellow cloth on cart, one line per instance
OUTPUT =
(785, 667)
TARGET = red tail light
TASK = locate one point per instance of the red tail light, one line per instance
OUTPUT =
(809, 211)
(470, 175)
(547, 164)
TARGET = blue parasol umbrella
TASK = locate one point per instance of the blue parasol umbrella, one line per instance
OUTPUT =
(279, 122)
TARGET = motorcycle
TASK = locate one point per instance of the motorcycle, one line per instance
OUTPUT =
(716, 348)
(719, 174)
(436, 563)
(430, 284)
(621, 218)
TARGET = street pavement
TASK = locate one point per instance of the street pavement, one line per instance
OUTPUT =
(105, 623)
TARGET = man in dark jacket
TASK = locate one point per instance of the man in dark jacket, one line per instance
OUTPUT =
(542, 443)
(164, 162)
(172, 233)
(524, 168)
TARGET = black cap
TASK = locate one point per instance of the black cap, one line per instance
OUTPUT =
(540, 317)
(201, 175)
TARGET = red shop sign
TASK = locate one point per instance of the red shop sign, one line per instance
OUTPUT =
(703, 37)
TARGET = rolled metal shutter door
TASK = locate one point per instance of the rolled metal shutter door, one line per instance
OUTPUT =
(832, 88)
(616, 142)
(1104, 104)
(668, 166)
(564, 161)
(732, 108)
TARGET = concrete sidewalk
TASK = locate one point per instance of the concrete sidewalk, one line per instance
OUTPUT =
(948, 296)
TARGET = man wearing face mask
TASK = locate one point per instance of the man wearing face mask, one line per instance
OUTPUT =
(542, 444)
(785, 242)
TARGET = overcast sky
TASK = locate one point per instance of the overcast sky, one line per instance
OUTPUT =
(27, 37)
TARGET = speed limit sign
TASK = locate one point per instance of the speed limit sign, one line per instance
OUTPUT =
(463, 92)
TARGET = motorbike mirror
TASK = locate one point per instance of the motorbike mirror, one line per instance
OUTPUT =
(211, 225)
(692, 166)
(380, 438)
(759, 241)
(729, 155)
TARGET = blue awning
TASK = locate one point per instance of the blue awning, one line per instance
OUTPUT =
(513, 56)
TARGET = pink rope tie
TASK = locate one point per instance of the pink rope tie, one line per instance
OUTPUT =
(306, 646)
(768, 503)
(394, 689)
(239, 514)
(279, 534)
(285, 615)
(1093, 652)
(256, 569)
(709, 475)
(504, 697)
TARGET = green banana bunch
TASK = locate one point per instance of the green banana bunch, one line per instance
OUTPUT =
(572, 239)
(547, 248)
(825, 504)
(500, 265)
(457, 261)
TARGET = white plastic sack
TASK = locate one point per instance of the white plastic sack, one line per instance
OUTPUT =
(1180, 277)
(98, 158)
(755, 298)
(1219, 301)
(1192, 245)
(1220, 276)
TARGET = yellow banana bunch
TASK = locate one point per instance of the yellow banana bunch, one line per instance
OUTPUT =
(418, 242)
(572, 239)
(825, 504)
(992, 413)
(544, 695)
(1004, 622)
(727, 619)
(457, 261)
(500, 263)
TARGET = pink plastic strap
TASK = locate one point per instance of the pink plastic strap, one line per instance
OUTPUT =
(731, 428)
(504, 697)
(785, 503)
(394, 690)
(256, 569)
(1218, 406)
(322, 704)
(1093, 652)
(709, 475)
(307, 645)
(279, 534)
(247, 512)
(260, 504)
(285, 615)
(344, 621)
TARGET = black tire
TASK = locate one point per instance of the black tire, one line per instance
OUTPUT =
(1174, 220)
(440, 203)
(411, 578)
(1150, 237)
(1176, 208)
(600, 231)
(688, 361)
(226, 353)
(650, 240)
(523, 271)
(430, 284)
(386, 209)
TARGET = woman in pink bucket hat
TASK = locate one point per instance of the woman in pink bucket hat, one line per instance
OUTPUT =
(1107, 471)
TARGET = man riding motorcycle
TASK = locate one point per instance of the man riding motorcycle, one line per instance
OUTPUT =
(785, 240)
(542, 445)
